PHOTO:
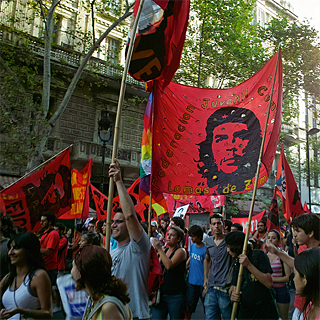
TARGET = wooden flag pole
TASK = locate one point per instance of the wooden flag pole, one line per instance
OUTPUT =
(117, 123)
(149, 214)
(39, 166)
(245, 245)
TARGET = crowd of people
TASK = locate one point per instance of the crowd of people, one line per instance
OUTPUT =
(195, 266)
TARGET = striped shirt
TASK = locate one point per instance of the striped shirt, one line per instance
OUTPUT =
(277, 272)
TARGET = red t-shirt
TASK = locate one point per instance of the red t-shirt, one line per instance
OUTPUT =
(298, 300)
(50, 241)
(62, 253)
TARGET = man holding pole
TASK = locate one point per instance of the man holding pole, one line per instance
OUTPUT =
(217, 301)
(131, 258)
(306, 231)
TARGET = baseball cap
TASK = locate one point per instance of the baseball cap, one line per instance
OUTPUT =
(154, 223)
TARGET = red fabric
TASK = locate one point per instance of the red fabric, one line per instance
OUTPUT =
(298, 300)
(155, 276)
(185, 157)
(287, 189)
(197, 204)
(80, 181)
(50, 241)
(158, 47)
(48, 189)
(273, 215)
(254, 221)
(62, 253)
(305, 208)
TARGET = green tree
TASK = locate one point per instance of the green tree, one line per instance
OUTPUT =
(42, 121)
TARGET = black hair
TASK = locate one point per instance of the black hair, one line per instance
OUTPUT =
(60, 226)
(247, 164)
(235, 240)
(307, 263)
(228, 224)
(92, 237)
(216, 216)
(196, 231)
(179, 222)
(31, 244)
(238, 226)
(99, 225)
(7, 227)
(93, 221)
(308, 223)
(50, 217)
(276, 232)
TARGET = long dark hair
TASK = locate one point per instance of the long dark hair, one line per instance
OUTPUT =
(307, 263)
(94, 264)
(30, 243)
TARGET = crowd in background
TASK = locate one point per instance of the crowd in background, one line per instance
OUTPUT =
(196, 264)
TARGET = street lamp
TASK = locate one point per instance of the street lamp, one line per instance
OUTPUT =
(311, 132)
(104, 132)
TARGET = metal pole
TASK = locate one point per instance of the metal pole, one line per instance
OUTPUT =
(308, 174)
(103, 165)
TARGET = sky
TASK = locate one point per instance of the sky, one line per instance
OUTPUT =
(309, 9)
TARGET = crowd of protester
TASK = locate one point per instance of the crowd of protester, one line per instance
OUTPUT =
(195, 266)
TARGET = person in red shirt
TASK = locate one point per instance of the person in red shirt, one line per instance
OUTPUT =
(49, 242)
(63, 249)
(260, 235)
(306, 231)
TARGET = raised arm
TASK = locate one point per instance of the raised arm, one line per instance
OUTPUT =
(129, 212)
(281, 254)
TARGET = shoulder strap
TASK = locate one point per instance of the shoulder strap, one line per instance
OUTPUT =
(112, 299)
(173, 252)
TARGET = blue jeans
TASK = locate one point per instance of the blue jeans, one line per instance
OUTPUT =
(193, 294)
(174, 305)
(217, 303)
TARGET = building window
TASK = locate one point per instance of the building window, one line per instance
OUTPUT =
(113, 49)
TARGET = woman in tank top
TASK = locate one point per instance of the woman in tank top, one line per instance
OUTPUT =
(173, 289)
(108, 297)
(26, 290)
(280, 277)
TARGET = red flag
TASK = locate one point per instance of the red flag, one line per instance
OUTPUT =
(254, 221)
(101, 202)
(305, 208)
(287, 189)
(207, 141)
(80, 181)
(159, 40)
(273, 215)
(48, 189)
(197, 204)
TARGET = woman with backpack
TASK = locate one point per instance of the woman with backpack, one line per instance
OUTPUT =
(280, 277)
(173, 288)
(26, 290)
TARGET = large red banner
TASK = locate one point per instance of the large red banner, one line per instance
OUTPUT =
(80, 189)
(48, 189)
(254, 221)
(197, 204)
(207, 141)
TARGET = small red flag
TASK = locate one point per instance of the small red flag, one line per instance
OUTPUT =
(287, 189)
(273, 215)
(305, 208)
(48, 189)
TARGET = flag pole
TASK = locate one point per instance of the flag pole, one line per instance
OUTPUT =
(245, 245)
(149, 214)
(38, 167)
(117, 123)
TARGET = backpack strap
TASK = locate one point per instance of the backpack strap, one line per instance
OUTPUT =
(106, 299)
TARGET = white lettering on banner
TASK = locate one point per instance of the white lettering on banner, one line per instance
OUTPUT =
(254, 226)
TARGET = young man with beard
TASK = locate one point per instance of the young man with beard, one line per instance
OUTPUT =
(131, 258)
(260, 234)
(216, 268)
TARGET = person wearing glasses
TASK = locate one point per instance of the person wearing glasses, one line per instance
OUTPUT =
(131, 257)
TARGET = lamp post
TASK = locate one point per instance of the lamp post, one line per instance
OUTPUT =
(311, 132)
(104, 132)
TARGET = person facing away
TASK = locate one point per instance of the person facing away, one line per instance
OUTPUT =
(108, 297)
(306, 232)
(26, 290)
(217, 301)
(195, 264)
(132, 256)
(255, 298)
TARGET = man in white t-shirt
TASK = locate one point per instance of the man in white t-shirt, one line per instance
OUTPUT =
(132, 257)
